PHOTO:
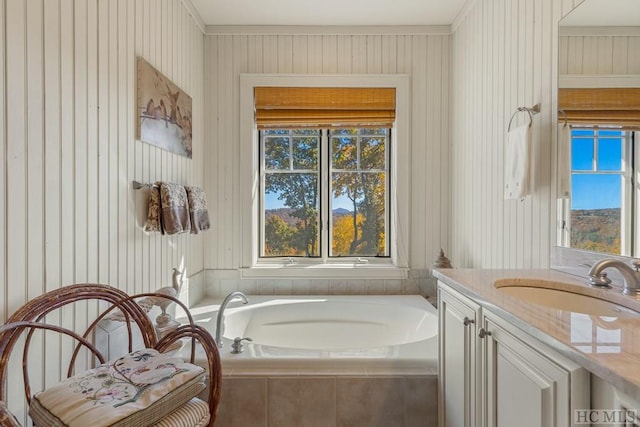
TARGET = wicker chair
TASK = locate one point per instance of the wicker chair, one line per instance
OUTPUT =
(20, 327)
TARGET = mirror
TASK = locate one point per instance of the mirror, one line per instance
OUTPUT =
(598, 127)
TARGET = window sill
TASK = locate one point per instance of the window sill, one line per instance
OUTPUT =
(325, 271)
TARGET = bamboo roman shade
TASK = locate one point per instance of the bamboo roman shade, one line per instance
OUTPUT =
(614, 106)
(282, 107)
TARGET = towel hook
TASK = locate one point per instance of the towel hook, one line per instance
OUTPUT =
(531, 111)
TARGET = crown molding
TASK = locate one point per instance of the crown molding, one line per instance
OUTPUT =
(194, 14)
(327, 30)
(599, 81)
(599, 31)
(462, 14)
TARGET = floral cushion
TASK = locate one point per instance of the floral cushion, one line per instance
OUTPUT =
(138, 389)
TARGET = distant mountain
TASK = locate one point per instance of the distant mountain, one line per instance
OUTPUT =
(596, 229)
(286, 214)
(341, 212)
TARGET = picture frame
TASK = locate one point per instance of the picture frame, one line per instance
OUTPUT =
(164, 111)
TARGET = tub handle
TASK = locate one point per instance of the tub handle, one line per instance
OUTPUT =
(237, 347)
(467, 321)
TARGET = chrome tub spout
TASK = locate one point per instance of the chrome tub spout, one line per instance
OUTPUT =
(220, 320)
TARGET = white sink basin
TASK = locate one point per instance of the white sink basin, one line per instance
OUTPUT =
(539, 292)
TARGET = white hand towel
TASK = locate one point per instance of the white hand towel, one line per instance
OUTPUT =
(516, 163)
(564, 162)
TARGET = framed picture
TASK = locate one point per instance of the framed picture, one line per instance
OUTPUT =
(164, 111)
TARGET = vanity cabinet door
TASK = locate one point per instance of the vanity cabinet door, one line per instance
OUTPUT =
(525, 383)
(458, 317)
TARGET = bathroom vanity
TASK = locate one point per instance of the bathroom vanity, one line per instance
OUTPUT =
(534, 348)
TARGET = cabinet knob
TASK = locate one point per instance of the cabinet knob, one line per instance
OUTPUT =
(483, 333)
(468, 321)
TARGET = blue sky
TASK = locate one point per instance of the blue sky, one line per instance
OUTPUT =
(272, 202)
(595, 192)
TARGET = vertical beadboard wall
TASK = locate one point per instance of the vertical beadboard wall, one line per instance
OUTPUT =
(69, 152)
(599, 54)
(69, 147)
(425, 57)
(504, 56)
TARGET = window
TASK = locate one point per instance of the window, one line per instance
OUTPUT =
(602, 194)
(272, 151)
(325, 193)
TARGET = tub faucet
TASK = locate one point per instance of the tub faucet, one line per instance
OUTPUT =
(220, 319)
(631, 275)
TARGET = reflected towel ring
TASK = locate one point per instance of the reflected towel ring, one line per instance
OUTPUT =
(531, 111)
(564, 116)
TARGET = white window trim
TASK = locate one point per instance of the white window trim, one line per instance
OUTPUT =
(635, 187)
(397, 267)
(627, 211)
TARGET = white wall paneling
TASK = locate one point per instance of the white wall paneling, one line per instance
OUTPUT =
(504, 56)
(424, 56)
(612, 52)
(69, 152)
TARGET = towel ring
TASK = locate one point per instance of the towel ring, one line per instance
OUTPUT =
(140, 186)
(531, 111)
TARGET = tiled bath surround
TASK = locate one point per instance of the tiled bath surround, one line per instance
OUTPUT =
(328, 400)
(219, 283)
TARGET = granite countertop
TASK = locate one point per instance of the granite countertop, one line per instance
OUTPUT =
(609, 347)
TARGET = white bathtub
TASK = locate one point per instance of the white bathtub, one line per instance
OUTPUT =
(388, 334)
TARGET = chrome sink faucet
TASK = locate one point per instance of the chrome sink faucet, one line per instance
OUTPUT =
(220, 319)
(631, 275)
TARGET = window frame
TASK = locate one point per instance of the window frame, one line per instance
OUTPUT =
(393, 267)
(324, 172)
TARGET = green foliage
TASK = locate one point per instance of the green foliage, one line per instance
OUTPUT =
(596, 230)
(279, 236)
(300, 191)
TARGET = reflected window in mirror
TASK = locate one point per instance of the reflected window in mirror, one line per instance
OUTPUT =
(598, 76)
(601, 200)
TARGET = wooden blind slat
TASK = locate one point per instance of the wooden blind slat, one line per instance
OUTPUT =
(603, 117)
(325, 98)
(614, 106)
(329, 118)
(324, 106)
(611, 99)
